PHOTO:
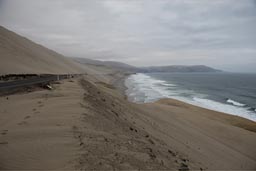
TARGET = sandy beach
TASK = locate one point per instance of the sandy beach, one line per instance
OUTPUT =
(86, 123)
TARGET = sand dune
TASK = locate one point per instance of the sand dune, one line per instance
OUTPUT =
(19, 55)
(87, 124)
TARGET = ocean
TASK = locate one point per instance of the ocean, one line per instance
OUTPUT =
(231, 93)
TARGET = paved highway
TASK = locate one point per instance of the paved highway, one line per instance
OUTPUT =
(4, 86)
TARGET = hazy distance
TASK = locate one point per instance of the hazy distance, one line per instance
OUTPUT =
(219, 33)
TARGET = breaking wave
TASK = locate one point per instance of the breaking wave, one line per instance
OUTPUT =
(143, 89)
(235, 103)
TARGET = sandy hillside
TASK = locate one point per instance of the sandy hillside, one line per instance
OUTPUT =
(19, 55)
(87, 124)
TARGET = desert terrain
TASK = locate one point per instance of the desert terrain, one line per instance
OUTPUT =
(86, 123)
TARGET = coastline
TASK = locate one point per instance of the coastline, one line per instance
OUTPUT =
(87, 124)
(119, 83)
(206, 103)
(220, 116)
(223, 117)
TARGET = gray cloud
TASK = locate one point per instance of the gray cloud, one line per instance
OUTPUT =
(219, 33)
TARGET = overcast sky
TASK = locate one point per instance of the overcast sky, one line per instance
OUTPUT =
(217, 33)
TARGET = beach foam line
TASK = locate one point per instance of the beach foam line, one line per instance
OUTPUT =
(235, 103)
(225, 108)
(144, 89)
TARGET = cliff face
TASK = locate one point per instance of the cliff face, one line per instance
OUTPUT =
(21, 56)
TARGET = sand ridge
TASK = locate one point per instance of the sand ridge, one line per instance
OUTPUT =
(74, 127)
(87, 124)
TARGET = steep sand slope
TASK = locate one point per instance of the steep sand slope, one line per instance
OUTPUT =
(19, 55)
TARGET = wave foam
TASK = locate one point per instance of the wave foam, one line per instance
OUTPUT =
(143, 88)
(235, 103)
(225, 108)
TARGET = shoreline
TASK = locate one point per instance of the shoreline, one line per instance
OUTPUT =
(223, 117)
(87, 124)
(187, 102)
(120, 84)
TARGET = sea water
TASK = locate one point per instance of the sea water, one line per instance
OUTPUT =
(231, 93)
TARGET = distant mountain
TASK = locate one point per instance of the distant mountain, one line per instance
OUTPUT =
(112, 64)
(171, 68)
(180, 68)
